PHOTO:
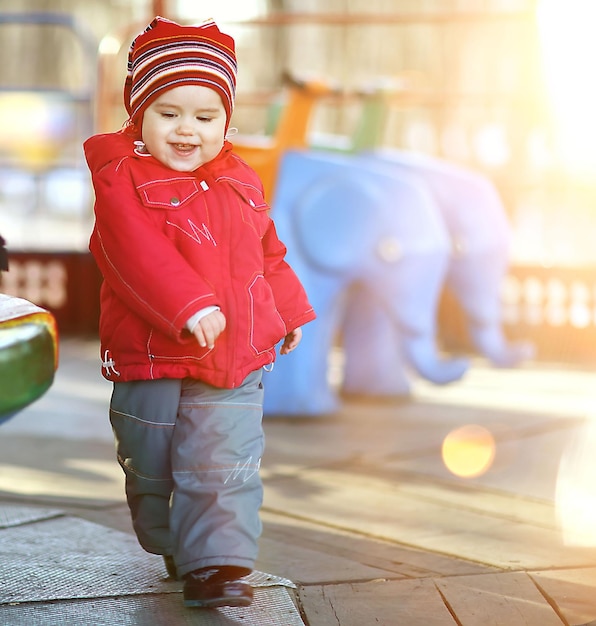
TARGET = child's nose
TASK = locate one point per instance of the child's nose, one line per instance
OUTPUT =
(185, 127)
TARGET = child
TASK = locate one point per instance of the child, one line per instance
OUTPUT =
(196, 295)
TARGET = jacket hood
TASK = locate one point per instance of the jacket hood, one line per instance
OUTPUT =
(103, 149)
(106, 148)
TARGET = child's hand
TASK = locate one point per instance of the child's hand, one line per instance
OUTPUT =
(291, 341)
(209, 328)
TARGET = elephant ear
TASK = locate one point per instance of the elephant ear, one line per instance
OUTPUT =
(336, 221)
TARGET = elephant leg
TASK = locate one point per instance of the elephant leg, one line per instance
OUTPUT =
(298, 385)
(374, 365)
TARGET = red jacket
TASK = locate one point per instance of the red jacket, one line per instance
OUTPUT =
(170, 243)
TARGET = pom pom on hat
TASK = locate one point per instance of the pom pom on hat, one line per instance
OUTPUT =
(167, 55)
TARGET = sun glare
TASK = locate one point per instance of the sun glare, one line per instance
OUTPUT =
(568, 51)
(219, 10)
(576, 488)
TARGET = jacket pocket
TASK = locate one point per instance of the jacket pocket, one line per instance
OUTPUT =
(266, 324)
(172, 194)
(250, 194)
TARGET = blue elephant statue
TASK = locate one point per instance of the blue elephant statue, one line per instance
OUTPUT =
(353, 227)
(479, 230)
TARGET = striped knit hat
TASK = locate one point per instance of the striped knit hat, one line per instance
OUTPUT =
(167, 55)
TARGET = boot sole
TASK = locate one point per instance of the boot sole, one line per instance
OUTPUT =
(213, 603)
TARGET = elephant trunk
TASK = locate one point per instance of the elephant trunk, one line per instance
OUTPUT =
(475, 280)
(490, 341)
(421, 353)
(378, 353)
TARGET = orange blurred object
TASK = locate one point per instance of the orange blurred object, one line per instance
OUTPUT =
(264, 153)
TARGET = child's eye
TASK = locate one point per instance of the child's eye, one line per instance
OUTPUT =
(202, 118)
(168, 115)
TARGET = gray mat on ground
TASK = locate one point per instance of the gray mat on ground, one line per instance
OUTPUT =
(17, 514)
(64, 570)
(271, 607)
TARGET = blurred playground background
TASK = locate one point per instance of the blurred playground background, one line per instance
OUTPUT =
(499, 87)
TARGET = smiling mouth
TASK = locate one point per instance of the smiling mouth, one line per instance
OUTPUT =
(184, 147)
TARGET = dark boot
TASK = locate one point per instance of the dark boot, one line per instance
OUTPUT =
(217, 586)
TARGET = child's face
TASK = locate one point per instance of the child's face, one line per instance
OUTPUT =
(184, 127)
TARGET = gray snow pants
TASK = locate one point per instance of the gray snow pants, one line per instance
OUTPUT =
(191, 455)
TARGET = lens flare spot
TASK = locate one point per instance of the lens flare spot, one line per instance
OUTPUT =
(468, 451)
